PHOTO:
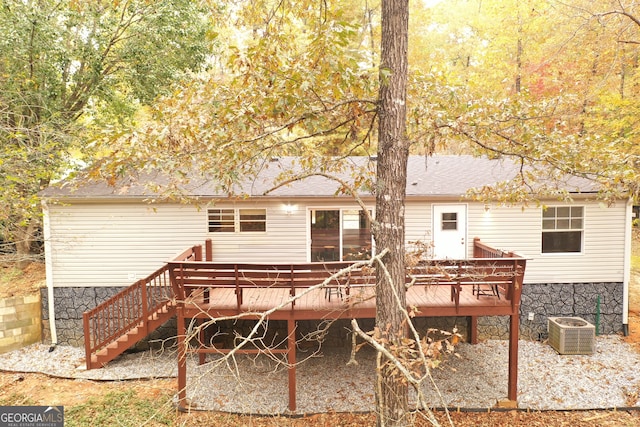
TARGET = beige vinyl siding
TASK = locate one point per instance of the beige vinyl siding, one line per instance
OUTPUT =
(418, 222)
(283, 241)
(105, 244)
(517, 229)
(115, 244)
(108, 244)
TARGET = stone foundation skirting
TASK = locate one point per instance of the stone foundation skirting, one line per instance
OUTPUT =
(543, 300)
(576, 299)
(70, 303)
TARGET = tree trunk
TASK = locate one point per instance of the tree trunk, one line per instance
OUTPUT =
(393, 152)
(23, 237)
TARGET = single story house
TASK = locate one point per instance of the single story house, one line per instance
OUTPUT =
(101, 238)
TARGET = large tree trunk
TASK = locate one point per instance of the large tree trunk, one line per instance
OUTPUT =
(393, 151)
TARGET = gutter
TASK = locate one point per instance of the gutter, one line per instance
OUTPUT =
(46, 228)
(627, 267)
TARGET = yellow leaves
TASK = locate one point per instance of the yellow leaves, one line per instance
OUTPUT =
(413, 311)
(455, 339)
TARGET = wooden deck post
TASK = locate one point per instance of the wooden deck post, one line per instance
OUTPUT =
(291, 360)
(182, 361)
(88, 342)
(145, 306)
(477, 252)
(514, 329)
(202, 336)
(473, 326)
(208, 250)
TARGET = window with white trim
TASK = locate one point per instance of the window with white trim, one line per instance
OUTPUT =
(562, 229)
(240, 220)
(221, 220)
(252, 220)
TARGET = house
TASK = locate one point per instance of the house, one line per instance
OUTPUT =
(100, 238)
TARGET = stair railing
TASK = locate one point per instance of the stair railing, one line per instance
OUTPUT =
(130, 308)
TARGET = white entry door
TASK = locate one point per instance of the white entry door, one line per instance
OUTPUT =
(450, 231)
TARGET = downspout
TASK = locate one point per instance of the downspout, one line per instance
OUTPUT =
(627, 267)
(48, 256)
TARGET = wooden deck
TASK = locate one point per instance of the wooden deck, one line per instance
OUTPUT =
(194, 287)
(489, 284)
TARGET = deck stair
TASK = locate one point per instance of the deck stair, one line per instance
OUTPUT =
(126, 318)
(133, 336)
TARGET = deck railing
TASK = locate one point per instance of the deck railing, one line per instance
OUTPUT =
(481, 250)
(490, 272)
(128, 309)
(134, 306)
(188, 276)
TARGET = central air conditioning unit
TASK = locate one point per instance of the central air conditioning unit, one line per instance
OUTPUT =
(571, 335)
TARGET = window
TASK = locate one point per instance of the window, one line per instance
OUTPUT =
(325, 235)
(562, 228)
(228, 221)
(221, 220)
(253, 220)
(449, 221)
(356, 235)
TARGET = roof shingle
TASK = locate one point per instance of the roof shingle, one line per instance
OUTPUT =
(433, 176)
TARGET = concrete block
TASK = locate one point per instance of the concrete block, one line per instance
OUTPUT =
(7, 309)
(20, 323)
(32, 299)
(6, 318)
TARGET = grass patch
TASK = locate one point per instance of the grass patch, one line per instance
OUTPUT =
(10, 275)
(122, 408)
(17, 399)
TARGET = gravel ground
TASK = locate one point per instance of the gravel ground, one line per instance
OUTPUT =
(475, 378)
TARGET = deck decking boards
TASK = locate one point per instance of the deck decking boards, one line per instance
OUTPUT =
(268, 287)
(430, 300)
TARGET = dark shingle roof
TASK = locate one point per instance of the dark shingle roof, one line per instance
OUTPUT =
(434, 176)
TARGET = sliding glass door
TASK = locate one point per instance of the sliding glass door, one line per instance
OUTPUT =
(339, 235)
(325, 235)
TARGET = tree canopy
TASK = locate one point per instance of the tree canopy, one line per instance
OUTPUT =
(549, 83)
(292, 81)
(68, 68)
